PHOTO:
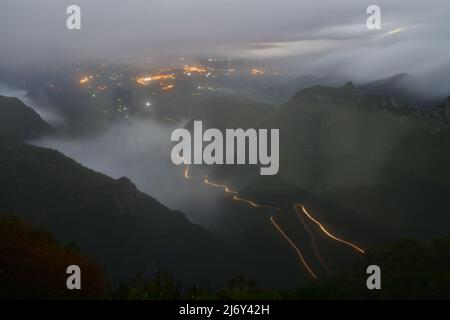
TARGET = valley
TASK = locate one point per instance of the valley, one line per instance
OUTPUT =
(308, 222)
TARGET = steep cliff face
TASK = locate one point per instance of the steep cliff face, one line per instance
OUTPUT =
(370, 155)
(126, 197)
(125, 230)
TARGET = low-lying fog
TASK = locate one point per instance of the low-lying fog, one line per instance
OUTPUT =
(50, 116)
(140, 150)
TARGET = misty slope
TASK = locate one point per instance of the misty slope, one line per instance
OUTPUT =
(364, 162)
(125, 230)
(249, 229)
(283, 90)
(400, 86)
(367, 154)
(19, 121)
(229, 112)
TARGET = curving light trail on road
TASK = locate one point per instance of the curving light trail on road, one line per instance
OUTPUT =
(297, 250)
(327, 233)
(313, 241)
(215, 185)
(299, 212)
(227, 189)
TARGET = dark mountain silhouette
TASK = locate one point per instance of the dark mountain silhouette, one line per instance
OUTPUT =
(369, 167)
(284, 89)
(360, 158)
(400, 86)
(426, 278)
(125, 230)
(368, 154)
(410, 269)
(19, 121)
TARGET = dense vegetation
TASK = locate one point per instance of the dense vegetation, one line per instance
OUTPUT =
(33, 265)
(409, 270)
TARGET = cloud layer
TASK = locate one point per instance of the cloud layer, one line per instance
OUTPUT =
(320, 37)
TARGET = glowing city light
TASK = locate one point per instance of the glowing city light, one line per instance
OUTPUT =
(257, 72)
(194, 69)
(167, 87)
(84, 80)
(157, 77)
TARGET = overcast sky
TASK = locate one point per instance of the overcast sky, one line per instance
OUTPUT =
(325, 36)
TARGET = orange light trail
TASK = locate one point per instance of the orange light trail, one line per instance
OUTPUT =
(205, 180)
(326, 232)
(186, 173)
(297, 250)
(313, 241)
(227, 189)
(254, 204)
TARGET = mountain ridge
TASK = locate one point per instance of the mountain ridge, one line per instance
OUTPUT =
(20, 121)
